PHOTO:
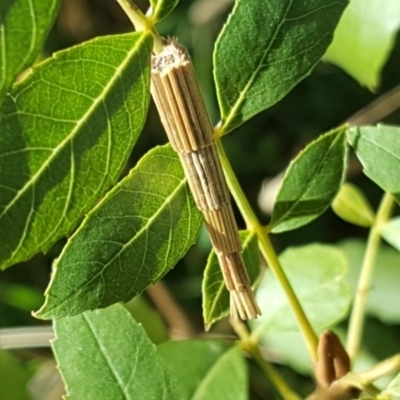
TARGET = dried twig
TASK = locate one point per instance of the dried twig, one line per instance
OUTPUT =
(178, 323)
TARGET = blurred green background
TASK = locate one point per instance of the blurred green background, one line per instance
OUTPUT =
(259, 150)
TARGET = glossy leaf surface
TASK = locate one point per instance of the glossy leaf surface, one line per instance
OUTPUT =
(265, 49)
(364, 39)
(23, 29)
(134, 236)
(378, 149)
(65, 135)
(311, 182)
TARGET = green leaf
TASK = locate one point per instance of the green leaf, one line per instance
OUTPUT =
(226, 380)
(24, 26)
(352, 206)
(390, 231)
(394, 388)
(206, 370)
(190, 362)
(317, 273)
(14, 378)
(150, 318)
(161, 8)
(215, 294)
(378, 149)
(265, 49)
(385, 279)
(290, 348)
(311, 182)
(106, 355)
(22, 297)
(133, 237)
(65, 135)
(364, 39)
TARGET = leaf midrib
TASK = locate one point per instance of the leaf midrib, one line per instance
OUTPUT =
(126, 245)
(383, 149)
(241, 98)
(120, 384)
(287, 213)
(243, 92)
(80, 123)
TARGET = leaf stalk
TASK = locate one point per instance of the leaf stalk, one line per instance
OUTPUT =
(142, 23)
(357, 316)
(269, 254)
(386, 367)
(249, 345)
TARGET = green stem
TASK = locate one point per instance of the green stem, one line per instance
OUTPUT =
(251, 347)
(142, 23)
(386, 367)
(364, 281)
(280, 385)
(357, 381)
(269, 254)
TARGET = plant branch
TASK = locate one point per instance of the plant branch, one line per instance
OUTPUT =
(378, 109)
(179, 325)
(358, 381)
(26, 337)
(268, 253)
(364, 282)
(142, 23)
(250, 346)
(385, 367)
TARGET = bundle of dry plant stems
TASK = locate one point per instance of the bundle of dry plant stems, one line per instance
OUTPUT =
(184, 116)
